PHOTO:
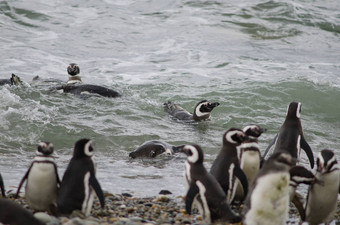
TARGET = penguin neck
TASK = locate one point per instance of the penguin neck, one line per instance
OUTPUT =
(74, 79)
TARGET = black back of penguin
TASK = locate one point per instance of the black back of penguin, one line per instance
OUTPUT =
(212, 197)
(2, 186)
(226, 167)
(290, 137)
(79, 181)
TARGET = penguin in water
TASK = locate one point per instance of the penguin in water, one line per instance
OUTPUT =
(13, 80)
(79, 182)
(250, 160)
(202, 111)
(14, 214)
(213, 199)
(2, 186)
(75, 85)
(151, 149)
(226, 167)
(290, 137)
(42, 180)
(321, 203)
(267, 201)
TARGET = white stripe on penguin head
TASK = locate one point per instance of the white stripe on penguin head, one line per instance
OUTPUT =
(87, 149)
(298, 110)
(198, 112)
(194, 157)
(229, 135)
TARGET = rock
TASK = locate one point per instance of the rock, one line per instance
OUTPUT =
(165, 192)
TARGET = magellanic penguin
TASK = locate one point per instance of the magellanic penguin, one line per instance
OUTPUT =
(14, 214)
(321, 203)
(267, 201)
(290, 137)
(42, 180)
(2, 186)
(226, 167)
(213, 199)
(79, 182)
(202, 111)
(13, 80)
(250, 159)
(75, 85)
(151, 149)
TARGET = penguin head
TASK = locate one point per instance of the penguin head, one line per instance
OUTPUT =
(194, 153)
(15, 80)
(203, 109)
(234, 136)
(299, 174)
(253, 130)
(326, 162)
(73, 69)
(45, 148)
(83, 148)
(294, 110)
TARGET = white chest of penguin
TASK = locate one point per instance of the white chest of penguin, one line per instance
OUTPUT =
(270, 200)
(42, 174)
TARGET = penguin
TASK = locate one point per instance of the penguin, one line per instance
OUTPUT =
(290, 137)
(321, 203)
(13, 80)
(42, 180)
(75, 85)
(2, 186)
(250, 159)
(226, 166)
(14, 214)
(73, 71)
(214, 205)
(202, 111)
(151, 149)
(267, 201)
(79, 182)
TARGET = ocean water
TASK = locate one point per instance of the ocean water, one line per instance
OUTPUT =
(254, 57)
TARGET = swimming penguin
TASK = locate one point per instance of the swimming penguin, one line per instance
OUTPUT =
(42, 180)
(250, 159)
(2, 186)
(201, 112)
(226, 167)
(79, 182)
(213, 199)
(151, 149)
(14, 214)
(290, 137)
(321, 203)
(75, 85)
(267, 201)
(13, 80)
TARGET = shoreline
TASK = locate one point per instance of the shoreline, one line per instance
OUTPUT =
(127, 209)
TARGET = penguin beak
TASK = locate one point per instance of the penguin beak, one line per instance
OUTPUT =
(180, 149)
(213, 105)
(262, 130)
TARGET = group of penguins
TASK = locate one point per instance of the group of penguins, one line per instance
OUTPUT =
(263, 185)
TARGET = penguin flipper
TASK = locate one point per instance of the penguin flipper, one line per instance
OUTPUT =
(96, 186)
(56, 173)
(243, 179)
(299, 206)
(190, 197)
(269, 146)
(305, 146)
(23, 180)
(2, 186)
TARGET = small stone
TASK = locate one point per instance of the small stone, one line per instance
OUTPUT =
(161, 198)
(165, 192)
(127, 195)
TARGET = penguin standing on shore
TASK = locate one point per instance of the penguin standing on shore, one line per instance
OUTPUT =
(2, 186)
(250, 160)
(321, 203)
(213, 202)
(79, 182)
(290, 137)
(267, 201)
(226, 167)
(42, 180)
(202, 111)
